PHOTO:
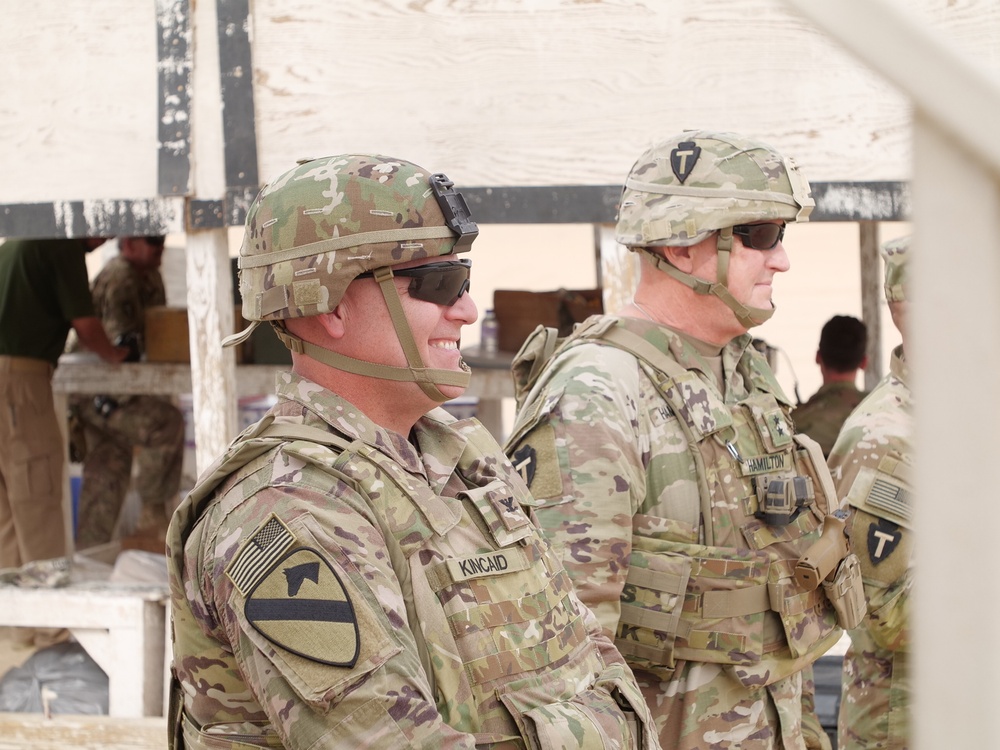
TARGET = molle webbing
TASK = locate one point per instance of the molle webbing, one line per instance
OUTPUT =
(638, 347)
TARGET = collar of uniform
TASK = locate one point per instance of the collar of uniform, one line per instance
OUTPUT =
(327, 409)
(694, 354)
(837, 385)
(440, 444)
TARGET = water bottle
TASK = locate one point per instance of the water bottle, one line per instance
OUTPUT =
(489, 335)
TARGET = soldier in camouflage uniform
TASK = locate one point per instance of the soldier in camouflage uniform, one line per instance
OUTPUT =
(840, 355)
(114, 426)
(658, 448)
(357, 571)
(871, 465)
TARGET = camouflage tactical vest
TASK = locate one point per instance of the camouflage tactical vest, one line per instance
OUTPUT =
(503, 697)
(729, 597)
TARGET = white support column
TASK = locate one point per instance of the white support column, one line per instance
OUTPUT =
(955, 343)
(210, 293)
(210, 319)
(619, 270)
(953, 346)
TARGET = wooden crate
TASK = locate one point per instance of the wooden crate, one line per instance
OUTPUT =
(167, 337)
(520, 312)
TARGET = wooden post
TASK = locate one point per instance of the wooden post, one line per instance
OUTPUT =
(871, 300)
(618, 269)
(953, 348)
(210, 319)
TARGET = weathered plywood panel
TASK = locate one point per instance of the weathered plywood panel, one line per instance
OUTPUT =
(78, 110)
(535, 92)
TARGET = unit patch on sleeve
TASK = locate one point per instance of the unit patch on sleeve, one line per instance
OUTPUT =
(301, 605)
(883, 537)
(537, 461)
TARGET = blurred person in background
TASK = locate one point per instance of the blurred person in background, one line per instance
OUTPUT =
(872, 465)
(117, 426)
(841, 354)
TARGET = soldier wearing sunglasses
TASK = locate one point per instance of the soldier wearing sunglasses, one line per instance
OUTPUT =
(662, 461)
(357, 569)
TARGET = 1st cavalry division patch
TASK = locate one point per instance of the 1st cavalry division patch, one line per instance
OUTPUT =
(301, 605)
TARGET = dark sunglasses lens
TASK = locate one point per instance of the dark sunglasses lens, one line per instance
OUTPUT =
(764, 236)
(442, 286)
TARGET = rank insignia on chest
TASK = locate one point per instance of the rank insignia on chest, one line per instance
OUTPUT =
(883, 538)
(302, 606)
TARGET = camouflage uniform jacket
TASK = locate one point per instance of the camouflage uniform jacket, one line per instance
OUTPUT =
(647, 479)
(822, 416)
(121, 295)
(355, 591)
(871, 464)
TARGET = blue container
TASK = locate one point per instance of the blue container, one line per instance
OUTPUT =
(75, 483)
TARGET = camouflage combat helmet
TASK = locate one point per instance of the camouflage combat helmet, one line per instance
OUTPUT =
(313, 230)
(683, 189)
(895, 254)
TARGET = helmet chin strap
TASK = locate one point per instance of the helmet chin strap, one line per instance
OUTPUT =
(747, 316)
(427, 378)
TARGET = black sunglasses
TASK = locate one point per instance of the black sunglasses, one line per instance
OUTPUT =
(760, 236)
(441, 283)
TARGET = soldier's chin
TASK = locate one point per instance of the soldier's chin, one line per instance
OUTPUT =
(451, 391)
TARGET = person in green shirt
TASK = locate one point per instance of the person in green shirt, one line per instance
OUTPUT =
(841, 354)
(44, 292)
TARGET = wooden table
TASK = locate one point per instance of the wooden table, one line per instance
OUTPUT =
(121, 626)
(85, 374)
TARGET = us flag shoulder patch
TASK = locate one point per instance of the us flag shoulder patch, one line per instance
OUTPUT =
(255, 558)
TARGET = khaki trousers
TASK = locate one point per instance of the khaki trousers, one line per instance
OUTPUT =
(32, 457)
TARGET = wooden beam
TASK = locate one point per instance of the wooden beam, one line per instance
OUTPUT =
(174, 58)
(18, 731)
(164, 379)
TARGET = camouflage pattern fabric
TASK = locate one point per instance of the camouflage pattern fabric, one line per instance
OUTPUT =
(344, 588)
(311, 231)
(155, 427)
(822, 416)
(657, 531)
(151, 424)
(871, 463)
(813, 733)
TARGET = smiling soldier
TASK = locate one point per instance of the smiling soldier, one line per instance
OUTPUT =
(356, 571)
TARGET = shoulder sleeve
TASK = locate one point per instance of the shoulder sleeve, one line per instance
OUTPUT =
(576, 444)
(309, 601)
(871, 466)
(121, 299)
